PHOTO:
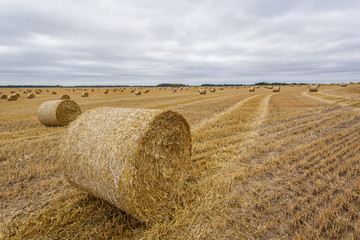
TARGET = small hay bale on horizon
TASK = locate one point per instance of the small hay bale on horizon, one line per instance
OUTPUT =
(313, 88)
(58, 112)
(84, 94)
(64, 97)
(31, 95)
(53, 93)
(276, 89)
(251, 89)
(343, 84)
(202, 91)
(12, 97)
(136, 159)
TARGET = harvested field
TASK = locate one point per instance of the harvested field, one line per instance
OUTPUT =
(268, 165)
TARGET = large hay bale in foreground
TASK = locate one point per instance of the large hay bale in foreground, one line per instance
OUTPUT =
(64, 97)
(3, 96)
(58, 112)
(136, 159)
(313, 88)
(276, 89)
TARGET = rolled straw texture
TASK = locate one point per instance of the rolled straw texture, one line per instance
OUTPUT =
(136, 159)
(313, 88)
(58, 112)
(276, 89)
(64, 97)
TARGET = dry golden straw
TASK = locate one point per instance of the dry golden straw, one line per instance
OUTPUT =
(313, 88)
(136, 159)
(58, 112)
(64, 97)
(276, 89)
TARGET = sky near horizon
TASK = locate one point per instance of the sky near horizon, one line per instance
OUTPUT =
(142, 42)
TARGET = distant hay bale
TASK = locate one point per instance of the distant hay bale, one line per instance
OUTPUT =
(138, 93)
(3, 96)
(343, 84)
(64, 97)
(212, 90)
(12, 97)
(54, 93)
(270, 87)
(313, 88)
(221, 88)
(202, 91)
(84, 94)
(13, 91)
(31, 95)
(106, 91)
(58, 112)
(136, 159)
(252, 89)
(37, 92)
(132, 90)
(146, 90)
(174, 90)
(276, 89)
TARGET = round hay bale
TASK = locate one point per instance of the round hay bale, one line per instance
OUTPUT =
(212, 90)
(106, 91)
(136, 159)
(138, 93)
(343, 85)
(174, 90)
(276, 89)
(202, 91)
(31, 95)
(3, 96)
(12, 97)
(84, 94)
(64, 97)
(313, 88)
(252, 89)
(54, 93)
(58, 112)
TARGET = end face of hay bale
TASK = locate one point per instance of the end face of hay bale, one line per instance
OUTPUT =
(84, 94)
(313, 88)
(252, 89)
(136, 159)
(58, 112)
(64, 97)
(276, 89)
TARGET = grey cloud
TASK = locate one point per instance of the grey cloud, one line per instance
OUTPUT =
(149, 42)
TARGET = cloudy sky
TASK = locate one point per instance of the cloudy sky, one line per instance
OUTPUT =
(144, 42)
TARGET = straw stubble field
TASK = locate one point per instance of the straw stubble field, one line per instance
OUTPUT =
(268, 165)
